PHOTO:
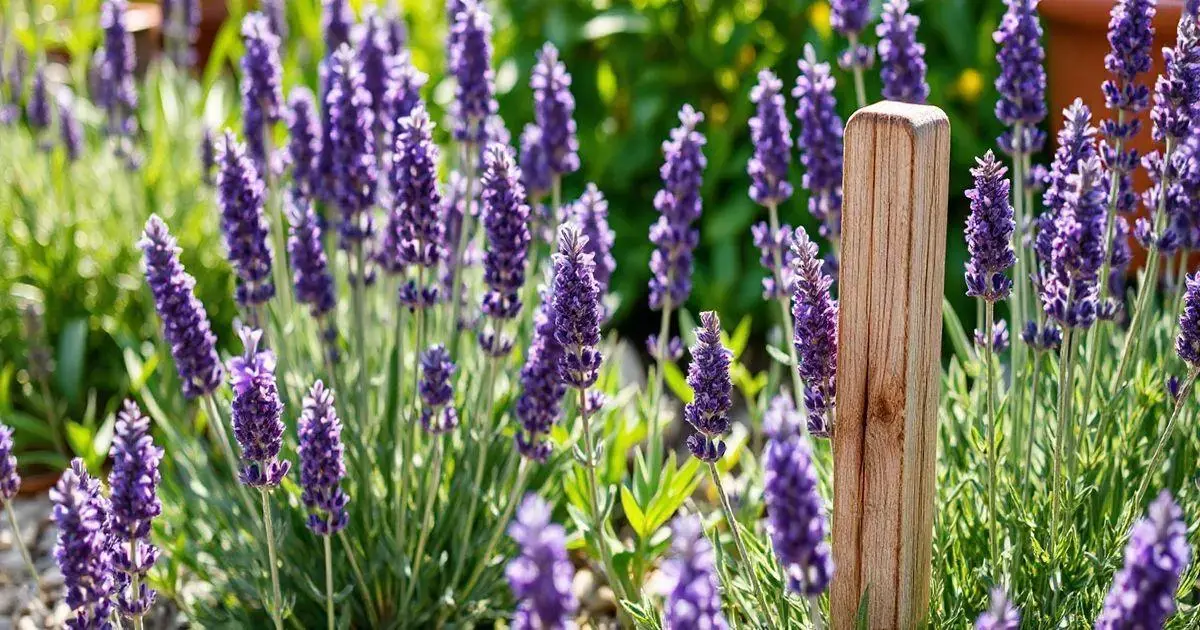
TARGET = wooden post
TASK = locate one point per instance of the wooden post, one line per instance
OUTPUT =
(890, 330)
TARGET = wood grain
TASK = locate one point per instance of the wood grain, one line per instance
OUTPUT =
(890, 289)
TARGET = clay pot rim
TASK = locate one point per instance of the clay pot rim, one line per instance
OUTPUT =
(1095, 13)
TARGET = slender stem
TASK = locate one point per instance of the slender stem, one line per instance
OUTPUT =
(655, 437)
(1110, 222)
(1163, 437)
(135, 583)
(277, 602)
(1022, 289)
(431, 496)
(509, 508)
(358, 576)
(12, 521)
(52, 418)
(1026, 481)
(814, 613)
(460, 247)
(357, 299)
(617, 584)
(1064, 402)
(218, 426)
(860, 87)
(328, 582)
(481, 445)
(993, 455)
(737, 540)
(412, 438)
(786, 316)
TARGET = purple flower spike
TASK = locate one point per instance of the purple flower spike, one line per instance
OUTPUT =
(989, 232)
(438, 414)
(1143, 591)
(901, 56)
(134, 482)
(773, 246)
(304, 141)
(415, 232)
(1188, 342)
(1076, 143)
(1000, 337)
(553, 111)
(310, 268)
(694, 596)
(262, 91)
(816, 327)
(336, 18)
(208, 155)
(849, 18)
(322, 465)
(708, 376)
(541, 577)
(276, 13)
(181, 25)
(820, 142)
(471, 65)
(1021, 81)
(590, 213)
(538, 406)
(797, 520)
(535, 166)
(506, 225)
(351, 147)
(10, 480)
(397, 28)
(374, 53)
(673, 350)
(1042, 339)
(257, 412)
(241, 195)
(1001, 614)
(84, 551)
(68, 125)
(38, 108)
(1178, 87)
(771, 132)
(118, 92)
(1070, 283)
(184, 321)
(679, 205)
(403, 93)
(576, 305)
(1131, 34)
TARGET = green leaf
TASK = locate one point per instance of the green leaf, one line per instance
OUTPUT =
(676, 381)
(633, 512)
(864, 608)
(80, 438)
(740, 336)
(72, 342)
(779, 355)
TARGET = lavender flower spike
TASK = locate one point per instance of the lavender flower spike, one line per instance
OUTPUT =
(708, 376)
(1021, 81)
(535, 167)
(375, 56)
(310, 267)
(438, 414)
(539, 405)
(69, 129)
(797, 520)
(590, 212)
(403, 95)
(1000, 615)
(849, 19)
(1131, 35)
(84, 551)
(1187, 345)
(576, 307)
(679, 205)
(134, 482)
(185, 323)
(262, 91)
(241, 195)
(257, 412)
(989, 232)
(816, 327)
(901, 56)
(553, 111)
(304, 141)
(771, 132)
(321, 462)
(1076, 143)
(541, 577)
(820, 142)
(471, 65)
(10, 480)
(506, 225)
(118, 94)
(351, 147)
(336, 18)
(38, 108)
(1070, 283)
(1143, 592)
(694, 597)
(415, 234)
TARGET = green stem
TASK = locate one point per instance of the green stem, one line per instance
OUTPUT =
(655, 437)
(358, 576)
(412, 438)
(357, 300)
(1163, 437)
(993, 455)
(481, 433)
(814, 613)
(277, 602)
(1026, 481)
(1064, 401)
(1022, 289)
(860, 87)
(460, 247)
(431, 495)
(786, 317)
(12, 521)
(135, 584)
(737, 540)
(617, 584)
(328, 582)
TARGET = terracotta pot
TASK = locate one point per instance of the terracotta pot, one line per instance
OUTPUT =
(1076, 45)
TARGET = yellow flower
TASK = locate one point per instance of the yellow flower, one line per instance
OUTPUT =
(969, 85)
(818, 16)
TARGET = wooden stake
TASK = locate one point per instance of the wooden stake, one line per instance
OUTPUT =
(890, 331)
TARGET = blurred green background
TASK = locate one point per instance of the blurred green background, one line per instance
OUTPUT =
(69, 230)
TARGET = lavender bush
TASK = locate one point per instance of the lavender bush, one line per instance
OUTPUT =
(423, 311)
